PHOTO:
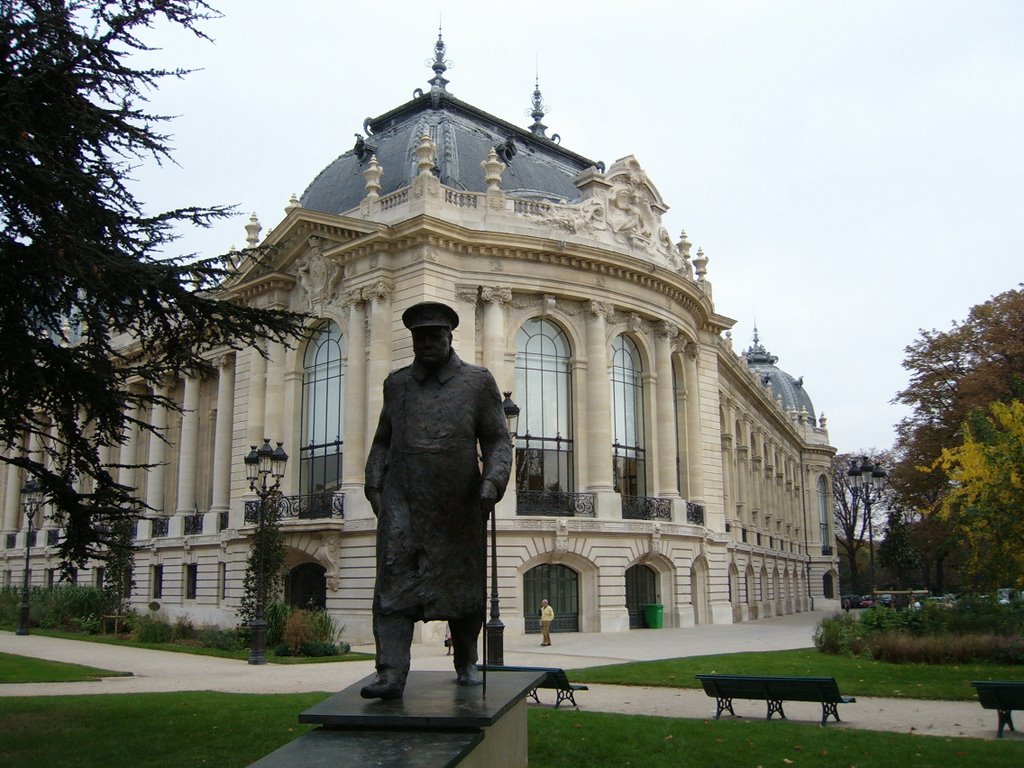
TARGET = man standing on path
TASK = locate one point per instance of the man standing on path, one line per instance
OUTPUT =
(441, 419)
(547, 615)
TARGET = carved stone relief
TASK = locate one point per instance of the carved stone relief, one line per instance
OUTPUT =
(318, 276)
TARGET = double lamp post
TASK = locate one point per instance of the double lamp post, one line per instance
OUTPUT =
(867, 480)
(33, 494)
(264, 469)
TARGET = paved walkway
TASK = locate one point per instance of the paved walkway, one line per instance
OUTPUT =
(166, 671)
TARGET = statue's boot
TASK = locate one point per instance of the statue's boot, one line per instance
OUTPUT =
(383, 688)
(469, 675)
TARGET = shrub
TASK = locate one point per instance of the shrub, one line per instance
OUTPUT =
(276, 614)
(184, 629)
(89, 625)
(153, 629)
(215, 637)
(320, 649)
(839, 635)
(298, 630)
(324, 628)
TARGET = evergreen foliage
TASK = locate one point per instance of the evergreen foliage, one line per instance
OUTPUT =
(86, 266)
(268, 543)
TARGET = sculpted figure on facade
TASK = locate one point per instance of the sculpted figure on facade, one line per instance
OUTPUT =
(318, 275)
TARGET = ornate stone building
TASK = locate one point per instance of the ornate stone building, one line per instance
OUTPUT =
(654, 464)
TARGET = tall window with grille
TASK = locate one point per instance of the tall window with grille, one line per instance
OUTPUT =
(823, 513)
(323, 415)
(629, 464)
(544, 446)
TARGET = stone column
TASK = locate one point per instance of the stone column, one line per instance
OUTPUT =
(188, 448)
(157, 457)
(129, 451)
(598, 430)
(378, 298)
(356, 418)
(12, 499)
(223, 438)
(273, 408)
(695, 468)
(494, 333)
(664, 418)
(464, 338)
(257, 397)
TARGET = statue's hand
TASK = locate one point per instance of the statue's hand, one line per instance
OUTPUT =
(373, 496)
(488, 495)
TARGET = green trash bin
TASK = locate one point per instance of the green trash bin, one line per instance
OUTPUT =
(654, 615)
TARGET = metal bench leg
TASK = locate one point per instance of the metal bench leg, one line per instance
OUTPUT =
(773, 707)
(1005, 718)
(536, 698)
(723, 704)
(566, 696)
(829, 709)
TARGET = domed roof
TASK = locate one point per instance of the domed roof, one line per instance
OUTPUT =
(537, 167)
(794, 396)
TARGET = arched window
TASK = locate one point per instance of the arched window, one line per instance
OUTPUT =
(628, 449)
(823, 514)
(323, 413)
(544, 447)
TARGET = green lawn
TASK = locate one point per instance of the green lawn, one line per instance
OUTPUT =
(241, 654)
(24, 669)
(856, 677)
(169, 730)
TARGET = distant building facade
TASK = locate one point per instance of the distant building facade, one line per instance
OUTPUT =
(654, 464)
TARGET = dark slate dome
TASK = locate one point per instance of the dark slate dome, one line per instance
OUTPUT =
(538, 168)
(794, 396)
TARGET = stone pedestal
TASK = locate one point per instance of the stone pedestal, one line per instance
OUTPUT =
(437, 724)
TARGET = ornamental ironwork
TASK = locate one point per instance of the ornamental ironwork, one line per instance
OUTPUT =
(193, 524)
(52, 537)
(554, 504)
(308, 506)
(11, 540)
(694, 513)
(161, 526)
(826, 549)
(222, 520)
(32, 538)
(646, 508)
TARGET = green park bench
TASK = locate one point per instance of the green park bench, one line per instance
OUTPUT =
(1004, 696)
(554, 678)
(775, 690)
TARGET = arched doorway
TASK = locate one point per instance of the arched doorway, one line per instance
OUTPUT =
(641, 588)
(560, 585)
(305, 586)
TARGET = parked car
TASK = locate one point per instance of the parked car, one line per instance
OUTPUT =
(866, 601)
(850, 601)
(885, 600)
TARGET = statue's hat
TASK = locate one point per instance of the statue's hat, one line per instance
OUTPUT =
(430, 313)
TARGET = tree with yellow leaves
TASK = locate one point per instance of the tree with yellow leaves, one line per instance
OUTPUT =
(986, 500)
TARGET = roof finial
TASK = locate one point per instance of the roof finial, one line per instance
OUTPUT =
(539, 110)
(439, 64)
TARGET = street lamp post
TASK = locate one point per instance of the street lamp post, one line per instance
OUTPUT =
(261, 465)
(495, 629)
(33, 499)
(865, 479)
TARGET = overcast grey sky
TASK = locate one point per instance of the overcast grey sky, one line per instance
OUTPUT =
(853, 170)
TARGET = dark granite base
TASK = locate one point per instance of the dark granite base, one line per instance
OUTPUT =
(432, 700)
(329, 748)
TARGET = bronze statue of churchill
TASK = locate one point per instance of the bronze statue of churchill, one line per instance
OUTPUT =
(441, 422)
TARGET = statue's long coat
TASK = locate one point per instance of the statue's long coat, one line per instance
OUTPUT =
(424, 457)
